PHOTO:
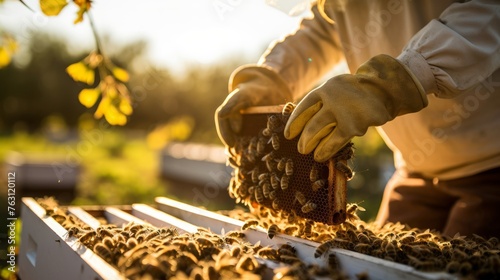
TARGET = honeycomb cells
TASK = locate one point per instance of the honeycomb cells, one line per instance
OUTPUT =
(270, 172)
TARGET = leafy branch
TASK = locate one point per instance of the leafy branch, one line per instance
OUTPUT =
(114, 98)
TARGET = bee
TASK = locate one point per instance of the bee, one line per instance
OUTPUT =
(108, 242)
(235, 234)
(281, 164)
(255, 174)
(453, 267)
(275, 141)
(59, 218)
(276, 204)
(292, 217)
(425, 235)
(345, 153)
(391, 250)
(287, 110)
(266, 132)
(131, 243)
(275, 180)
(284, 182)
(290, 259)
(261, 145)
(290, 230)
(333, 262)
(205, 242)
(324, 236)
(346, 170)
(308, 228)
(73, 232)
(266, 189)
(259, 195)
(422, 265)
(104, 252)
(318, 184)
(268, 253)
(362, 248)
(263, 177)
(308, 207)
(272, 230)
(407, 238)
(289, 167)
(300, 198)
(250, 223)
(314, 173)
(363, 238)
(272, 195)
(323, 248)
(236, 251)
(286, 249)
(247, 263)
(273, 123)
(87, 237)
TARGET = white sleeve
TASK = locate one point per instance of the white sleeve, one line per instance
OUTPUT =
(458, 51)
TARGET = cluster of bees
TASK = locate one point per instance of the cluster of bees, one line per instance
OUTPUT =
(143, 251)
(470, 257)
(269, 171)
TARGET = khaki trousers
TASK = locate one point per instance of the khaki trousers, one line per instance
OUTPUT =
(466, 205)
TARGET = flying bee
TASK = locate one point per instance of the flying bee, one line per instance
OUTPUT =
(250, 223)
(308, 207)
(281, 164)
(259, 194)
(287, 110)
(289, 167)
(300, 197)
(346, 170)
(275, 141)
(273, 123)
(276, 204)
(284, 182)
(272, 230)
(313, 175)
(318, 184)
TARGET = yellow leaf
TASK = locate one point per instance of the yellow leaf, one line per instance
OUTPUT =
(52, 7)
(121, 74)
(103, 107)
(125, 107)
(84, 6)
(4, 57)
(81, 72)
(89, 96)
(115, 117)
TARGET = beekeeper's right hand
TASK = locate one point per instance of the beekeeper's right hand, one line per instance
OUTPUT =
(248, 86)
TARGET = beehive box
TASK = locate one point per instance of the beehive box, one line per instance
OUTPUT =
(47, 250)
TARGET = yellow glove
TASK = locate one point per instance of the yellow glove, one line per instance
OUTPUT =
(346, 105)
(248, 86)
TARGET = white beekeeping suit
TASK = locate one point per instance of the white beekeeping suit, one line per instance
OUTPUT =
(425, 73)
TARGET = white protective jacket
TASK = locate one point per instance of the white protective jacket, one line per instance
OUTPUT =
(453, 48)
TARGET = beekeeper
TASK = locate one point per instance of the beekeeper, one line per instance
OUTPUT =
(425, 73)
